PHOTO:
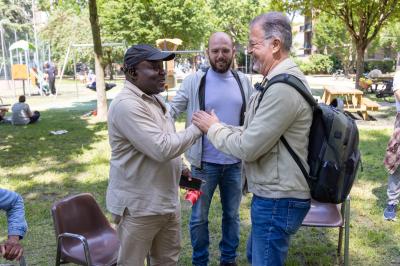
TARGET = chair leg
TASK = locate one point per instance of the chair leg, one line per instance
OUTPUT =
(340, 241)
(58, 256)
(347, 232)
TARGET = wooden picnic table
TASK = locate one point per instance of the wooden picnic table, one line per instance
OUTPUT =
(353, 100)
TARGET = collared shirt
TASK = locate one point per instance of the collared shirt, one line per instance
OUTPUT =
(145, 163)
(13, 204)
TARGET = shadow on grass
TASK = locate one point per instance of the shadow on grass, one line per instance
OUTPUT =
(21, 145)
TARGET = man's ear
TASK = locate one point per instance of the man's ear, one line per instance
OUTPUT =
(276, 45)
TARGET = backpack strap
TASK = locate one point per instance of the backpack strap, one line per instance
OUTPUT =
(202, 91)
(202, 94)
(293, 82)
(243, 109)
(297, 84)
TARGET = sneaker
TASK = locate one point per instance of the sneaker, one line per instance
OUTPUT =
(390, 212)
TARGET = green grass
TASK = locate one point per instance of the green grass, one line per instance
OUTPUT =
(45, 168)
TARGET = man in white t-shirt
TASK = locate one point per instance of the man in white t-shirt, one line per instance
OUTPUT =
(22, 114)
(393, 189)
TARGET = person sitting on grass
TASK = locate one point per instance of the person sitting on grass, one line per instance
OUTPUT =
(22, 114)
(92, 82)
(3, 112)
(13, 204)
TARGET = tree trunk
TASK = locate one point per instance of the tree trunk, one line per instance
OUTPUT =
(359, 63)
(98, 63)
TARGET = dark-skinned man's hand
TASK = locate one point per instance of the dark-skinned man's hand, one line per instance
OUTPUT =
(11, 249)
(188, 173)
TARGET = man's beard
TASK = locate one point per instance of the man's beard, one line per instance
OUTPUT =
(221, 70)
(256, 65)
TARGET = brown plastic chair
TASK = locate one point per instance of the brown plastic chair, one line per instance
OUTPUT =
(84, 235)
(332, 215)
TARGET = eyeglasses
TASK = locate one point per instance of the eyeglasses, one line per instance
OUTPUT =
(252, 44)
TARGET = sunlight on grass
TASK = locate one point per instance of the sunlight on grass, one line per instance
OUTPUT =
(45, 168)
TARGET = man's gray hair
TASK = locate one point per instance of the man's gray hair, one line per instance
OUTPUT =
(275, 24)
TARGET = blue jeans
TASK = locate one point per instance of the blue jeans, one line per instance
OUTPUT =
(228, 178)
(273, 222)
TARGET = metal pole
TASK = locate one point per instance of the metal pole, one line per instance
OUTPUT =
(3, 51)
(76, 85)
(12, 63)
(35, 33)
(65, 61)
(27, 68)
(49, 53)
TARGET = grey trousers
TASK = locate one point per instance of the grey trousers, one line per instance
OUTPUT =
(393, 189)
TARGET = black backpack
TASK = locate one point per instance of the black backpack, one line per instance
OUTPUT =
(333, 154)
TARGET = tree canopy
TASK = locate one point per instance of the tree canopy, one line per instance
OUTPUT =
(141, 21)
(363, 18)
(15, 17)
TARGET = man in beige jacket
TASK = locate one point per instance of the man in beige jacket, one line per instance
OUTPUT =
(281, 196)
(145, 165)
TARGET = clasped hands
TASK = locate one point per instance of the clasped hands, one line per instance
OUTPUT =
(11, 249)
(204, 120)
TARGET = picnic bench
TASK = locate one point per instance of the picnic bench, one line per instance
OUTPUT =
(353, 100)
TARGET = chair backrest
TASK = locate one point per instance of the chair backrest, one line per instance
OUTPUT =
(78, 214)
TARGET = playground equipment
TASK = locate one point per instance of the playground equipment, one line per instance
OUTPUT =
(21, 71)
(73, 47)
(169, 45)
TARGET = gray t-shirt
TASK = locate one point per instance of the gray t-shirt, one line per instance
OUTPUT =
(224, 97)
(20, 114)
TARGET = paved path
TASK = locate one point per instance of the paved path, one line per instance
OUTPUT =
(71, 94)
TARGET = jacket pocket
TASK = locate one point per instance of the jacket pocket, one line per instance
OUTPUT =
(264, 171)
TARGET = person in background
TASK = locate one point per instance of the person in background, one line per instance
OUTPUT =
(22, 114)
(393, 187)
(3, 111)
(13, 204)
(226, 91)
(50, 72)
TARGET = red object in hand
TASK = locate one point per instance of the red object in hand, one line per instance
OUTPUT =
(193, 195)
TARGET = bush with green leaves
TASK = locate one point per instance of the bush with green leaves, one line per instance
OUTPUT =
(316, 64)
(383, 65)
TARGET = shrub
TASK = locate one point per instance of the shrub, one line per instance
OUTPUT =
(383, 65)
(316, 64)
